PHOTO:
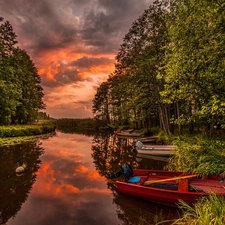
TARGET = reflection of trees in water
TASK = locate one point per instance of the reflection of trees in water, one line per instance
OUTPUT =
(76, 130)
(109, 153)
(14, 189)
(131, 210)
(151, 164)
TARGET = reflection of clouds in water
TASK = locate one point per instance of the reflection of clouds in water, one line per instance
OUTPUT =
(80, 197)
(72, 171)
(87, 208)
(68, 189)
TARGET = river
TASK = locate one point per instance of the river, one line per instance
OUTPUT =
(64, 182)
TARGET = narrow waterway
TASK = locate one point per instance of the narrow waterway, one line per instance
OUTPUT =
(65, 183)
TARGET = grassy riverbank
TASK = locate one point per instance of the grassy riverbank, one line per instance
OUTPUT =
(15, 134)
(199, 154)
(203, 155)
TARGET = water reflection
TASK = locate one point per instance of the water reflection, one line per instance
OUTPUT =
(65, 182)
(14, 189)
(68, 189)
(109, 153)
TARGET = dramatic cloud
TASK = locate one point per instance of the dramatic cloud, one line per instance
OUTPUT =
(73, 43)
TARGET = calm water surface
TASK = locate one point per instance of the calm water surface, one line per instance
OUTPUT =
(65, 183)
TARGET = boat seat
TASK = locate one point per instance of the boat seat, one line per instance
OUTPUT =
(134, 179)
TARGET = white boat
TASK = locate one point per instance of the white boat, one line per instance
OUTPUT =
(127, 133)
(151, 139)
(140, 157)
(156, 150)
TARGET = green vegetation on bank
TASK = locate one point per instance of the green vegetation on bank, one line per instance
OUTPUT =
(207, 211)
(203, 155)
(87, 123)
(14, 134)
(26, 130)
(198, 154)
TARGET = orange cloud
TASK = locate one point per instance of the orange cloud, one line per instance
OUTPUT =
(94, 175)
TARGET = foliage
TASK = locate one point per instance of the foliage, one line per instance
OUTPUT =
(87, 123)
(198, 155)
(131, 94)
(207, 211)
(21, 92)
(170, 70)
(101, 103)
(194, 63)
(43, 116)
(26, 130)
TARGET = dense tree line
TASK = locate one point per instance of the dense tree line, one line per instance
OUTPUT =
(170, 69)
(20, 88)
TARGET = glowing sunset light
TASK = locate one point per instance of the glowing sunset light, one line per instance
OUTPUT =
(82, 169)
(56, 183)
(73, 44)
(67, 188)
(94, 175)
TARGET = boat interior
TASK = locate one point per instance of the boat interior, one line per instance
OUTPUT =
(189, 183)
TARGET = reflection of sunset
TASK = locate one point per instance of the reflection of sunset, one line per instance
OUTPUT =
(82, 169)
(94, 174)
(54, 182)
(64, 170)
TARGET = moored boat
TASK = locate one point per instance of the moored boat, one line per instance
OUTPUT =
(151, 139)
(157, 150)
(127, 133)
(168, 188)
(152, 157)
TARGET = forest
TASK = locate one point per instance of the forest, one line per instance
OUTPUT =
(169, 70)
(20, 84)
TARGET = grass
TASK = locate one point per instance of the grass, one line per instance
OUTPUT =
(199, 155)
(16, 140)
(16, 134)
(202, 155)
(26, 130)
(207, 211)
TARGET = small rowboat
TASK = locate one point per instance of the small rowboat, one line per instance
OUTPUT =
(167, 188)
(127, 133)
(151, 139)
(155, 150)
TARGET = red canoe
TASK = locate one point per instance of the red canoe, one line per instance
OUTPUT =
(165, 187)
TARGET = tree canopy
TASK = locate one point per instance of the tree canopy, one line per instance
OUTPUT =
(20, 84)
(169, 71)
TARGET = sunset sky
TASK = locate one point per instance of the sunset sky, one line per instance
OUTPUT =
(73, 44)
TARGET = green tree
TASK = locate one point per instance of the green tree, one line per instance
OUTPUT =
(195, 62)
(7, 38)
(9, 87)
(138, 59)
(20, 84)
(31, 99)
(100, 106)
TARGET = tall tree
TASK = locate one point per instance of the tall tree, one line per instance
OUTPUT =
(195, 62)
(31, 99)
(100, 106)
(7, 37)
(139, 58)
(9, 87)
(20, 84)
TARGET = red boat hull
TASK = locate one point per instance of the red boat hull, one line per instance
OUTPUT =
(169, 190)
